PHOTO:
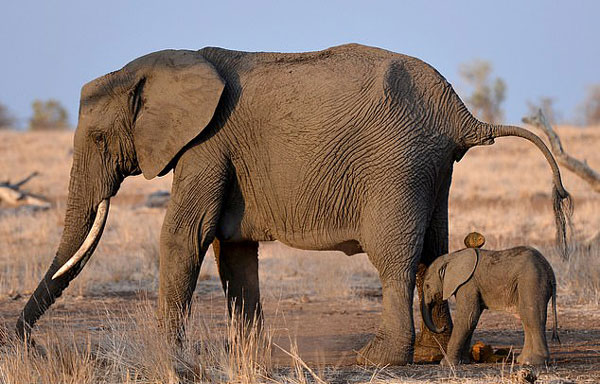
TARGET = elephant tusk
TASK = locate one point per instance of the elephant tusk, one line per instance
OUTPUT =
(89, 244)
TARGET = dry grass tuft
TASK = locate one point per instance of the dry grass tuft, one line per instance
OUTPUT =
(55, 359)
(136, 351)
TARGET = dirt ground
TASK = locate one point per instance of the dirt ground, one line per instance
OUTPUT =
(327, 304)
(328, 334)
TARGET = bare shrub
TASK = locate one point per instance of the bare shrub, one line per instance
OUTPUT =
(590, 107)
(487, 95)
(546, 105)
(48, 115)
(7, 120)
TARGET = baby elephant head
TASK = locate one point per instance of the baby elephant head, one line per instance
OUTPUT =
(443, 278)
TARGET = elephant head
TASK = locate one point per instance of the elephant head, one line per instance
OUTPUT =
(443, 278)
(135, 120)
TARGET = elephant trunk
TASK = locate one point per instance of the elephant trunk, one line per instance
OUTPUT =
(84, 224)
(427, 319)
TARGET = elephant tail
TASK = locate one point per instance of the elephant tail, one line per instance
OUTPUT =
(562, 202)
(555, 324)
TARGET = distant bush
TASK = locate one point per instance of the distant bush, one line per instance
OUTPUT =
(7, 120)
(546, 104)
(48, 115)
(591, 106)
(487, 95)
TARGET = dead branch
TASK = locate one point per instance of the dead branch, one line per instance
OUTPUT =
(18, 184)
(11, 194)
(158, 199)
(580, 168)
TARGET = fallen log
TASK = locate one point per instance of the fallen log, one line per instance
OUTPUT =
(12, 195)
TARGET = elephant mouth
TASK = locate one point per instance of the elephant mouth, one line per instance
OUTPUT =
(83, 254)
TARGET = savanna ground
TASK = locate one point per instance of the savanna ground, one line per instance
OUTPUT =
(319, 307)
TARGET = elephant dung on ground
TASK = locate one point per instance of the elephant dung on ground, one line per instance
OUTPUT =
(350, 148)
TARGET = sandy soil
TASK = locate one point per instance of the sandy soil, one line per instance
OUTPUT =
(329, 333)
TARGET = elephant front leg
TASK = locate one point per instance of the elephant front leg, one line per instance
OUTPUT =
(468, 311)
(238, 269)
(188, 230)
(180, 263)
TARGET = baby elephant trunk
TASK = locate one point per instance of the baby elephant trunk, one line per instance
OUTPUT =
(426, 315)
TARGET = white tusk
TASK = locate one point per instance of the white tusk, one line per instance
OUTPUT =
(89, 244)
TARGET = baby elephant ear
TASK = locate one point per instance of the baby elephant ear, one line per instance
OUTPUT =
(459, 270)
(175, 98)
(474, 240)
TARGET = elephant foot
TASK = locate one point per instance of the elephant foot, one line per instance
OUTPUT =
(449, 362)
(531, 359)
(382, 351)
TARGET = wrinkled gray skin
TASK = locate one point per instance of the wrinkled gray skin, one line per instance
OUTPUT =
(517, 280)
(350, 149)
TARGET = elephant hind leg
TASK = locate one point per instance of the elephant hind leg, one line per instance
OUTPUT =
(393, 342)
(395, 257)
(533, 313)
(238, 269)
(430, 347)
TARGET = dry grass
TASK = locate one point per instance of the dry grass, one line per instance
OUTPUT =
(502, 191)
(133, 351)
(137, 352)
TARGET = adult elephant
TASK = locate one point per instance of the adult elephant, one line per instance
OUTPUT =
(349, 149)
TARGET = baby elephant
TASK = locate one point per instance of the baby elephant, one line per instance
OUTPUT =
(517, 280)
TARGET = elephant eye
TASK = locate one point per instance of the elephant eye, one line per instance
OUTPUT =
(97, 137)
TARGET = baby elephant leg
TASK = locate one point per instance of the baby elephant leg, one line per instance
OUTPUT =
(465, 319)
(532, 310)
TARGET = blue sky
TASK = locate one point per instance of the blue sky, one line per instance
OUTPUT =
(540, 48)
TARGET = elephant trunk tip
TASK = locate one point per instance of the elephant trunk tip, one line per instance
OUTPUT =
(426, 315)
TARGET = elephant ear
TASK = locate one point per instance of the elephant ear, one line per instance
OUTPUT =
(458, 270)
(174, 99)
